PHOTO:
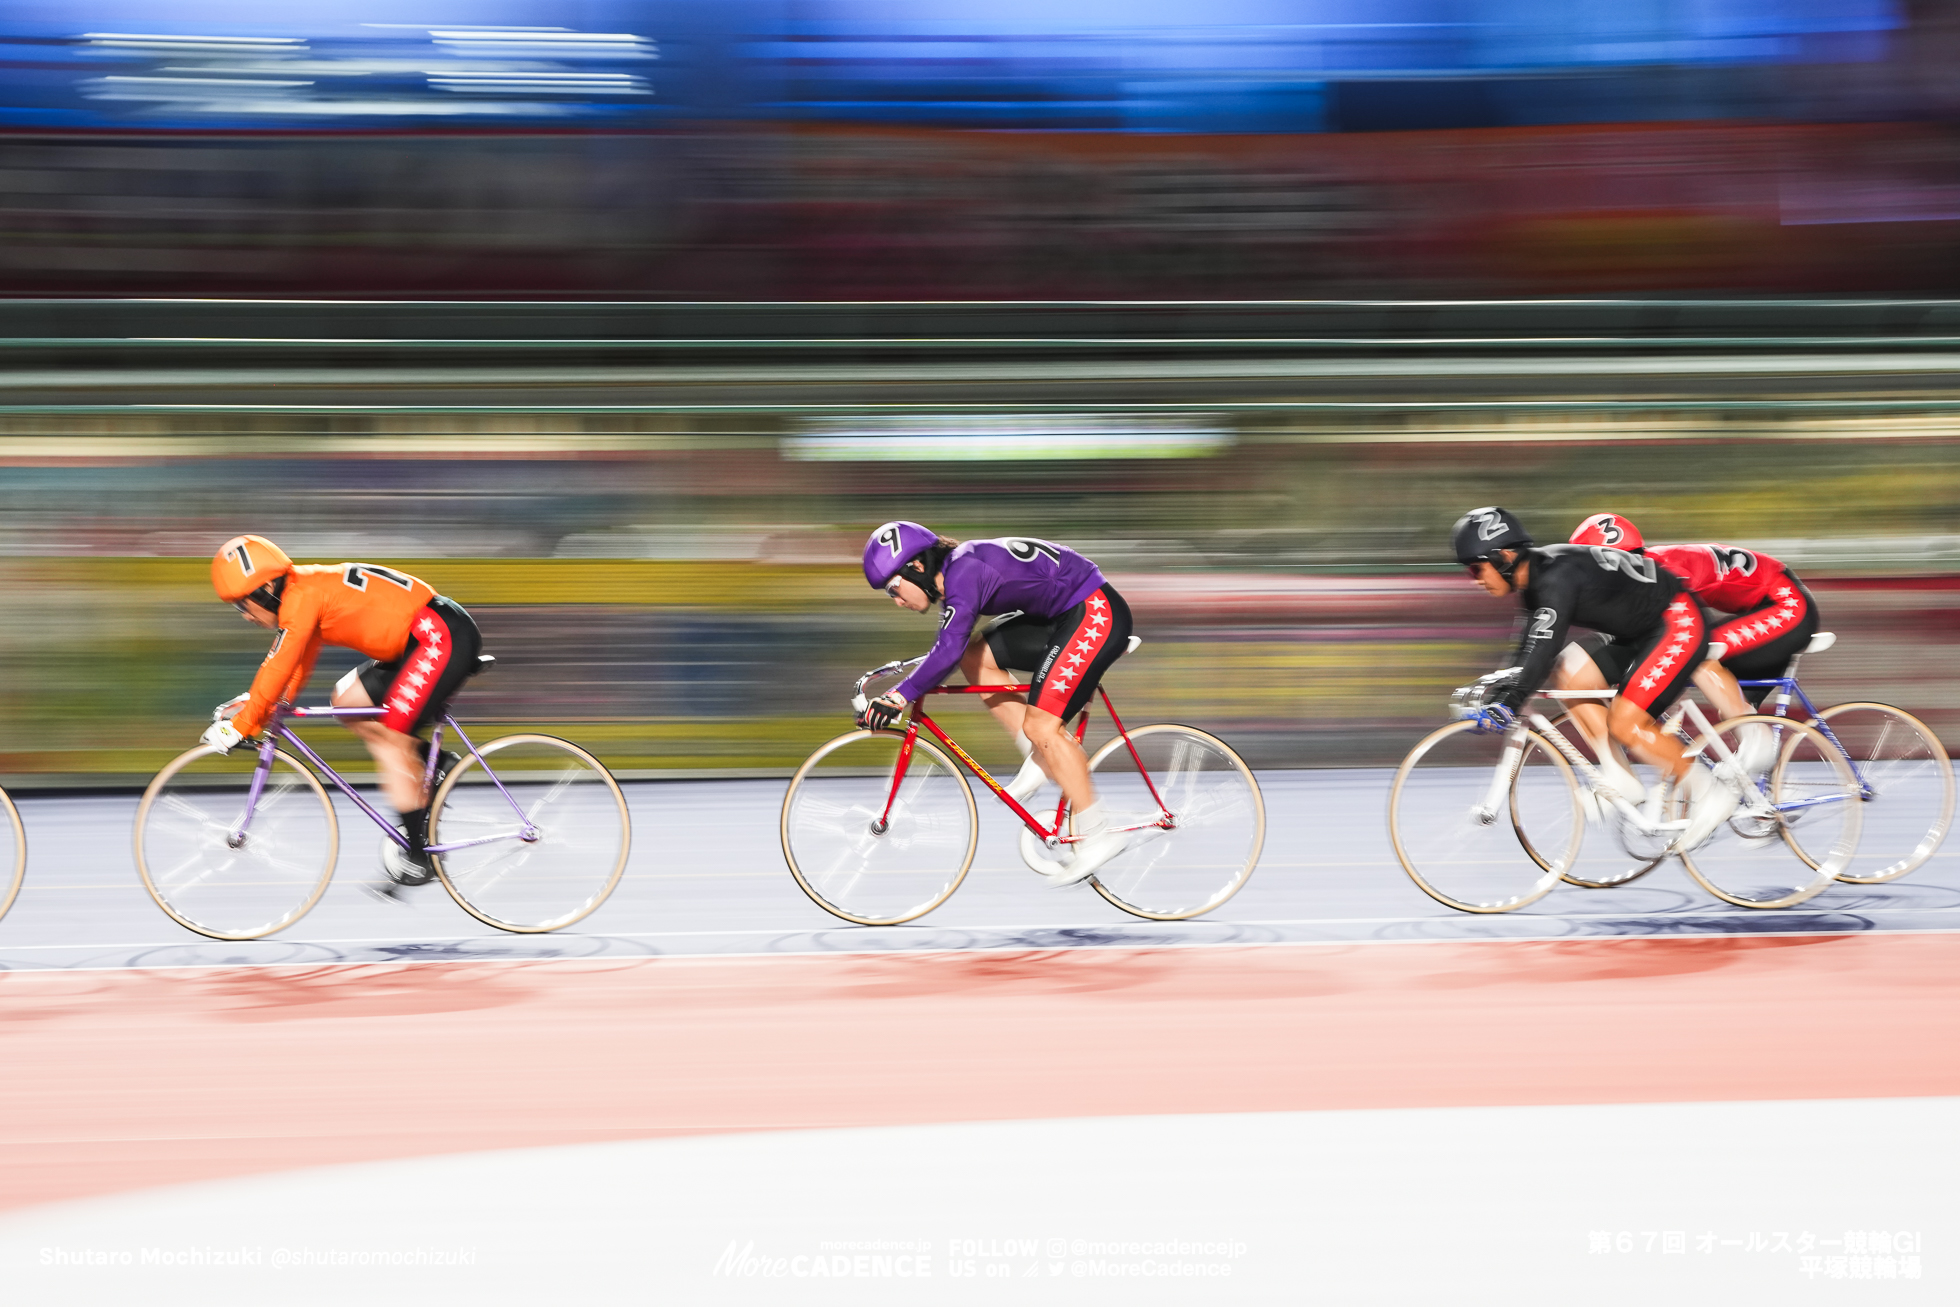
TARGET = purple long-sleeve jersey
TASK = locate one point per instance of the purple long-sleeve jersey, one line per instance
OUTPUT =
(985, 577)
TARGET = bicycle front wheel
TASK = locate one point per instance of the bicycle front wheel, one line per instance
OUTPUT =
(870, 852)
(536, 831)
(13, 852)
(217, 872)
(1796, 829)
(1217, 816)
(1482, 824)
(1907, 782)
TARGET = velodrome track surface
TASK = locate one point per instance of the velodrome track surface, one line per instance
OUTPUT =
(1332, 1090)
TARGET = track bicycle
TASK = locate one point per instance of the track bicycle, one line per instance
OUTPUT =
(1491, 822)
(880, 827)
(1904, 775)
(242, 845)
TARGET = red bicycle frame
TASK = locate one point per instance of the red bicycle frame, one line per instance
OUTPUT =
(1050, 835)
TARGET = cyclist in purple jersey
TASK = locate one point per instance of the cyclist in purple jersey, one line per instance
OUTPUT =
(1066, 625)
(990, 577)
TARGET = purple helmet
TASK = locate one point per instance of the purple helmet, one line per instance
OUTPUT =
(891, 547)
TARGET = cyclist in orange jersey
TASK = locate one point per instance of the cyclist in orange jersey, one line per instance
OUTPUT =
(421, 647)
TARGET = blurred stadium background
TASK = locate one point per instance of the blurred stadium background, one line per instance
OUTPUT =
(623, 323)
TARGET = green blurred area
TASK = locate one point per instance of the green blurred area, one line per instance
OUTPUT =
(1293, 589)
(655, 511)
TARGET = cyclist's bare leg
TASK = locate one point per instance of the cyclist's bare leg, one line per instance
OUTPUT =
(1634, 727)
(1061, 757)
(397, 757)
(1716, 681)
(1575, 670)
(1010, 710)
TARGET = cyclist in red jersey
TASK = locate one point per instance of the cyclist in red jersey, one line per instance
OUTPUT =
(1774, 615)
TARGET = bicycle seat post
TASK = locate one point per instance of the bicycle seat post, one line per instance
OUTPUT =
(1778, 703)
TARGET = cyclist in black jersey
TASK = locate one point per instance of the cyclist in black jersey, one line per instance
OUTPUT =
(1615, 593)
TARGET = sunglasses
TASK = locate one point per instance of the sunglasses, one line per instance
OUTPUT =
(891, 586)
(1471, 568)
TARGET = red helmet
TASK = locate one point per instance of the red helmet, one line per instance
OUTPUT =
(1611, 530)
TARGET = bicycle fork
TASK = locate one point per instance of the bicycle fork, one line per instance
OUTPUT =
(235, 837)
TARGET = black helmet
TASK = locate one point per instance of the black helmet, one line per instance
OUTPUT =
(1483, 530)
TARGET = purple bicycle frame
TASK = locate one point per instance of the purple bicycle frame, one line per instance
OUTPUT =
(281, 731)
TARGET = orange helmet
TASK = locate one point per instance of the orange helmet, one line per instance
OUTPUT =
(244, 564)
(1611, 530)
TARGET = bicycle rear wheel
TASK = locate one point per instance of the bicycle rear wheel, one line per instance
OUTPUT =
(545, 833)
(869, 856)
(1470, 858)
(1218, 822)
(13, 852)
(211, 877)
(1808, 793)
(1908, 787)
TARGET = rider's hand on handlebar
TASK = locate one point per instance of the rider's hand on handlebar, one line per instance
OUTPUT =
(222, 736)
(880, 713)
(229, 709)
(1495, 718)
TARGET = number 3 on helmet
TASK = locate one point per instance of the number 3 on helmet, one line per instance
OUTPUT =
(244, 564)
(1611, 530)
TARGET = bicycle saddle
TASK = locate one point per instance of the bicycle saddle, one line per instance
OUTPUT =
(1820, 642)
(483, 664)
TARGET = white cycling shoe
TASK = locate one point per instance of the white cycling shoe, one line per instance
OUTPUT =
(1027, 782)
(1618, 780)
(1713, 797)
(1094, 851)
(1755, 748)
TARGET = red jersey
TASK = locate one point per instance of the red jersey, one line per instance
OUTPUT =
(1732, 580)
(353, 605)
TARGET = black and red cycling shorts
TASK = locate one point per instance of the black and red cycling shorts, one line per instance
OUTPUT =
(1068, 654)
(1653, 669)
(443, 645)
(1759, 644)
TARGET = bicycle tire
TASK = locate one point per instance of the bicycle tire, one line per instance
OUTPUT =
(853, 870)
(14, 868)
(1475, 862)
(1754, 859)
(1207, 857)
(582, 828)
(1899, 779)
(1606, 864)
(194, 872)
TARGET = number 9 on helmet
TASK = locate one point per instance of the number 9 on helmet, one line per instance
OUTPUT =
(891, 547)
(245, 564)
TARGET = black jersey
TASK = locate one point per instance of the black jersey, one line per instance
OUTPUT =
(1606, 590)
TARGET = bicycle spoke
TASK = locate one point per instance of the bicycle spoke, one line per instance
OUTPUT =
(186, 826)
(869, 876)
(570, 810)
(1210, 851)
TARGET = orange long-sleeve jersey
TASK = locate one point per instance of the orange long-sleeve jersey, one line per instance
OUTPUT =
(355, 606)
